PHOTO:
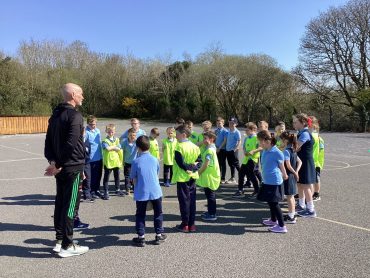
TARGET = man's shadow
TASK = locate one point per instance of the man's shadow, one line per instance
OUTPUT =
(29, 200)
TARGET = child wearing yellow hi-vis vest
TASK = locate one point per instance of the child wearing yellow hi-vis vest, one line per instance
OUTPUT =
(185, 172)
(209, 174)
(154, 148)
(112, 159)
(168, 148)
(250, 161)
(318, 156)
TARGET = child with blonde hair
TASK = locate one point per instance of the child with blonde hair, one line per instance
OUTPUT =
(112, 159)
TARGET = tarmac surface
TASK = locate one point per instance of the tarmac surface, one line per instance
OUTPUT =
(335, 244)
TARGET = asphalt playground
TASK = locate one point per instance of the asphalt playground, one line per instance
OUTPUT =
(335, 244)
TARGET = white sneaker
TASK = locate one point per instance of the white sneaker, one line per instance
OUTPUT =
(58, 245)
(73, 250)
(230, 181)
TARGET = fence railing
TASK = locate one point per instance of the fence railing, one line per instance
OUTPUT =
(23, 124)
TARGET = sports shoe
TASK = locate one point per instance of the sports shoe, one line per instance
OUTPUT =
(58, 245)
(269, 222)
(73, 250)
(289, 220)
(94, 196)
(230, 181)
(278, 229)
(89, 200)
(78, 225)
(254, 195)
(160, 239)
(167, 184)
(298, 208)
(139, 241)
(182, 228)
(223, 181)
(98, 194)
(316, 196)
(192, 229)
(238, 194)
(307, 214)
(209, 217)
(106, 197)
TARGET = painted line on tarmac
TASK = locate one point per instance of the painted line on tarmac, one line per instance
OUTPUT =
(344, 224)
(347, 167)
(20, 150)
(23, 159)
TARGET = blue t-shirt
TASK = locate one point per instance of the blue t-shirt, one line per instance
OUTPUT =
(94, 138)
(221, 134)
(145, 169)
(286, 155)
(270, 161)
(138, 134)
(303, 135)
(129, 151)
(232, 138)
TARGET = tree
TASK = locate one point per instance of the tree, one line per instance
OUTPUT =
(334, 55)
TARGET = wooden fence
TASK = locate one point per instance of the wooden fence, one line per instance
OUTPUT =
(23, 124)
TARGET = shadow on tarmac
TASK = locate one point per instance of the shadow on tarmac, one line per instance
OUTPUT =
(29, 200)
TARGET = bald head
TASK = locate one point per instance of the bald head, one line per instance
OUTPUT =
(72, 94)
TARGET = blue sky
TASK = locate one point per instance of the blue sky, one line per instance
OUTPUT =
(161, 27)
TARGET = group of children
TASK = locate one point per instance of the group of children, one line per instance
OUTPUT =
(275, 164)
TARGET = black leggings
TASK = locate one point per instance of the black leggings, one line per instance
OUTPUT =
(276, 213)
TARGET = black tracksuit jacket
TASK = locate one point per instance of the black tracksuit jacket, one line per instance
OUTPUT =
(64, 142)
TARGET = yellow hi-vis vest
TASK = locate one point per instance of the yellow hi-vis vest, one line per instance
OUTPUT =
(318, 150)
(190, 152)
(251, 144)
(211, 177)
(112, 159)
(154, 148)
(169, 150)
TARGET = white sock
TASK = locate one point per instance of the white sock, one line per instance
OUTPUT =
(301, 202)
(291, 214)
(143, 236)
(310, 206)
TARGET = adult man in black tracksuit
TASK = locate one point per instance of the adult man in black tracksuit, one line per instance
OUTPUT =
(65, 151)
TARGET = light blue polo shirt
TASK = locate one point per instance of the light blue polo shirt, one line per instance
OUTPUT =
(94, 138)
(145, 169)
(232, 138)
(270, 161)
(221, 134)
(304, 136)
(129, 150)
(138, 134)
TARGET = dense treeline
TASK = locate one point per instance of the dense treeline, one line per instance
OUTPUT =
(330, 82)
(249, 87)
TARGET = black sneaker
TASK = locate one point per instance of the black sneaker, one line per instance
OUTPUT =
(94, 196)
(238, 194)
(78, 225)
(316, 196)
(289, 220)
(160, 239)
(254, 195)
(106, 197)
(99, 194)
(139, 242)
